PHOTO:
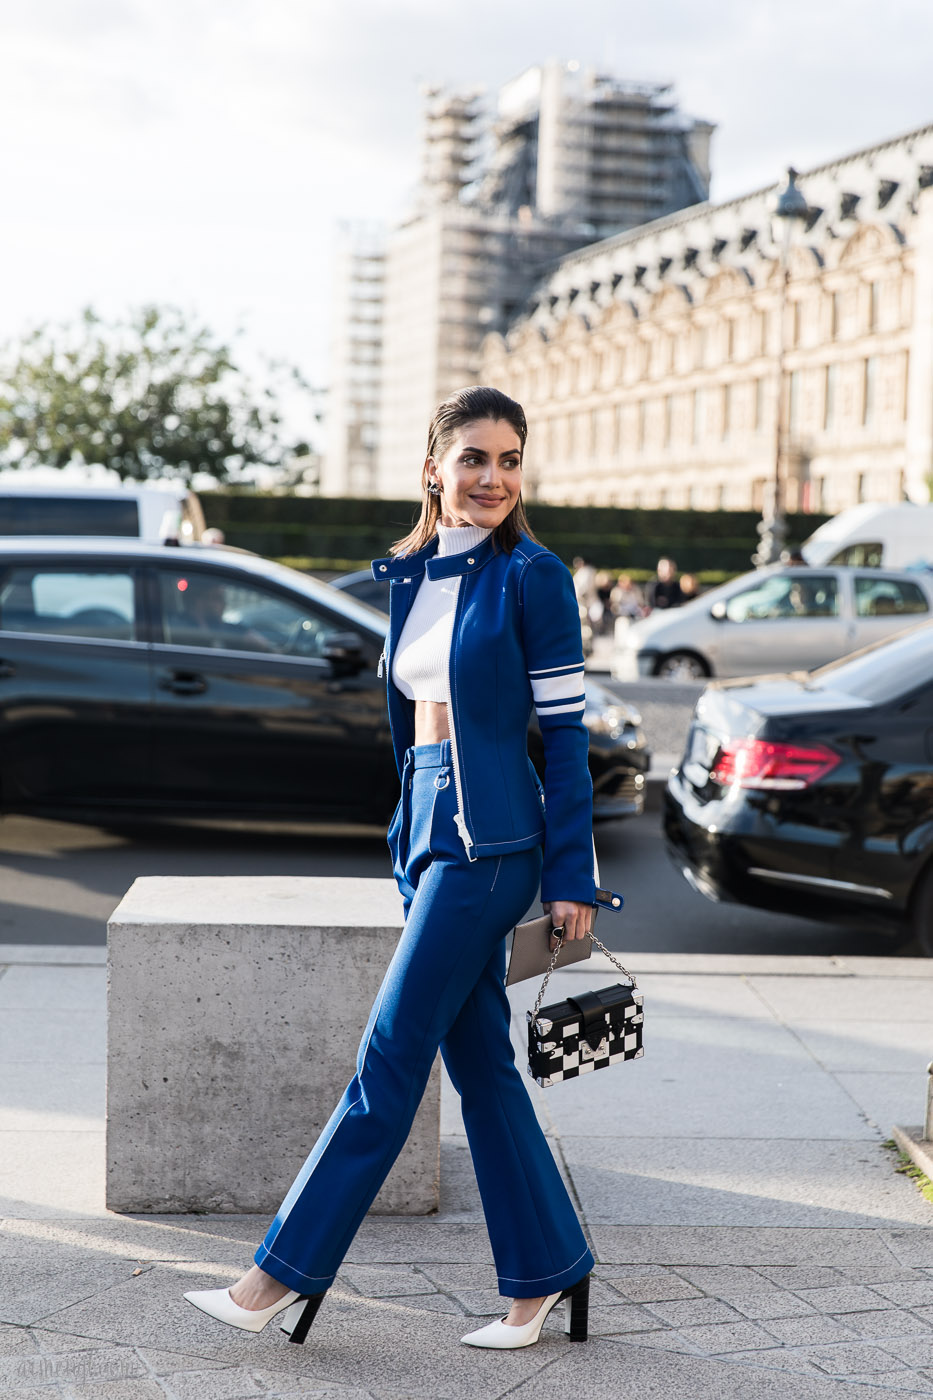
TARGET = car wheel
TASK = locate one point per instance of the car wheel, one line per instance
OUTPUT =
(921, 912)
(682, 666)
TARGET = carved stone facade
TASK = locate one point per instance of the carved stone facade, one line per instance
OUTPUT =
(648, 363)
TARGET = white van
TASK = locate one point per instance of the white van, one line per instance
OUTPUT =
(874, 536)
(156, 513)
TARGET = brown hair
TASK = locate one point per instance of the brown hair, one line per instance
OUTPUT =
(467, 406)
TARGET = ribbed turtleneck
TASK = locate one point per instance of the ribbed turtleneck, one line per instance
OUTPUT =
(455, 539)
(422, 657)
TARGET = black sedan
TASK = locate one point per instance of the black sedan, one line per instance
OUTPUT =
(137, 679)
(812, 794)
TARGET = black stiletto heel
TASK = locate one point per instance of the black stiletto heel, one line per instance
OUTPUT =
(305, 1310)
(577, 1309)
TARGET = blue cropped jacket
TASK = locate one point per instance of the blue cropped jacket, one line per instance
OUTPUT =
(515, 642)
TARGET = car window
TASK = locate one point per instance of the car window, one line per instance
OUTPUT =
(888, 597)
(67, 515)
(69, 602)
(863, 556)
(201, 609)
(884, 670)
(785, 595)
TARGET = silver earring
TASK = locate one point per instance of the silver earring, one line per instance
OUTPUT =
(433, 488)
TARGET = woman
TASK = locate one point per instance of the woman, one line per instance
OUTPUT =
(483, 620)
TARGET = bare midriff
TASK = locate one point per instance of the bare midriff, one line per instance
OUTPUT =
(431, 722)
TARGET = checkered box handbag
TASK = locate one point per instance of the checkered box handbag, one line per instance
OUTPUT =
(591, 1030)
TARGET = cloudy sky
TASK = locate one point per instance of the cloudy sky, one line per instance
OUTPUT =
(202, 151)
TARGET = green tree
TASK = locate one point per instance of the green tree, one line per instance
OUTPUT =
(147, 396)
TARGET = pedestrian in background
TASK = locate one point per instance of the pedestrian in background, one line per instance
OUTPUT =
(665, 592)
(626, 599)
(485, 623)
(689, 588)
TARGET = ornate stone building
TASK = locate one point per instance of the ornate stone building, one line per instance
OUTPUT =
(648, 363)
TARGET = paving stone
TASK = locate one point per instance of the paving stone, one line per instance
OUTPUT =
(97, 1364)
(279, 1386)
(693, 1312)
(237, 1383)
(722, 1280)
(851, 1360)
(651, 1373)
(777, 1358)
(450, 1276)
(840, 1300)
(16, 1341)
(375, 1282)
(481, 1302)
(914, 1351)
(890, 1322)
(625, 1318)
(798, 1276)
(725, 1337)
(776, 1303)
(907, 1382)
(913, 1248)
(136, 1389)
(655, 1288)
(806, 1331)
(909, 1294)
(754, 1245)
(165, 1363)
(871, 1277)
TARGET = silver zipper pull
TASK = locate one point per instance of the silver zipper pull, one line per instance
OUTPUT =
(381, 668)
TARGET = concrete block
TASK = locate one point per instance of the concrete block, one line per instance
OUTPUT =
(235, 1009)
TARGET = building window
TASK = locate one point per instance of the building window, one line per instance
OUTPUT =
(594, 431)
(726, 409)
(697, 416)
(835, 314)
(793, 407)
(730, 339)
(617, 427)
(830, 376)
(862, 487)
(759, 405)
(797, 323)
(874, 297)
(642, 415)
(668, 418)
(869, 389)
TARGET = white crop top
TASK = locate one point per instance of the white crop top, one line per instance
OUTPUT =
(422, 657)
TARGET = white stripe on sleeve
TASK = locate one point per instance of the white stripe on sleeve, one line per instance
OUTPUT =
(558, 687)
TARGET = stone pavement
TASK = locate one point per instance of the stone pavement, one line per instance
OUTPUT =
(753, 1238)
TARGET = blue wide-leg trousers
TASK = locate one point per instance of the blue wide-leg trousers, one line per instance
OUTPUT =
(443, 988)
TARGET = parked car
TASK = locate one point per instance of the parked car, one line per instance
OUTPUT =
(812, 794)
(774, 619)
(138, 679)
(891, 536)
(32, 505)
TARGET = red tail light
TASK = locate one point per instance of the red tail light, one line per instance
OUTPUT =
(755, 763)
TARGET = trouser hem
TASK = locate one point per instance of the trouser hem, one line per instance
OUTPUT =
(551, 1283)
(292, 1277)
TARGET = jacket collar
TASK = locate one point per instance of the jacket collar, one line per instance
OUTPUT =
(451, 566)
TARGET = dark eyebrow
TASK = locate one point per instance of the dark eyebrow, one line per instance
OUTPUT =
(479, 452)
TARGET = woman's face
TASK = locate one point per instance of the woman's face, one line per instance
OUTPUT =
(480, 474)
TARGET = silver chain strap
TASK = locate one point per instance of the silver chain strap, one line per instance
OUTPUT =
(556, 954)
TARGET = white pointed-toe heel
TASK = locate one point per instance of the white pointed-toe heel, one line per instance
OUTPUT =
(300, 1309)
(500, 1336)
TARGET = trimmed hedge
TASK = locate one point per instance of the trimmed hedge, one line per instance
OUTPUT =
(346, 533)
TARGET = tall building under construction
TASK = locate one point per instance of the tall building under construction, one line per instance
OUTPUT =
(567, 157)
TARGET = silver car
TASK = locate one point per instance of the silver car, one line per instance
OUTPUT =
(775, 619)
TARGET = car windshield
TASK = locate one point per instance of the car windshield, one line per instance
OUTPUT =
(883, 671)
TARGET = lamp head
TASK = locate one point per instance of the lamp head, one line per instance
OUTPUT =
(791, 203)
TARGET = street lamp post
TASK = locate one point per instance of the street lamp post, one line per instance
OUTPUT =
(772, 527)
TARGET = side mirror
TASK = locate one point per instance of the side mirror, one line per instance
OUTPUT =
(718, 611)
(344, 650)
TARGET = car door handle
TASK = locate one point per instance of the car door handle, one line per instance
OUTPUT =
(183, 683)
(7, 669)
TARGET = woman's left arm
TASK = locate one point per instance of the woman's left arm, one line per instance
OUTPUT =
(554, 658)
